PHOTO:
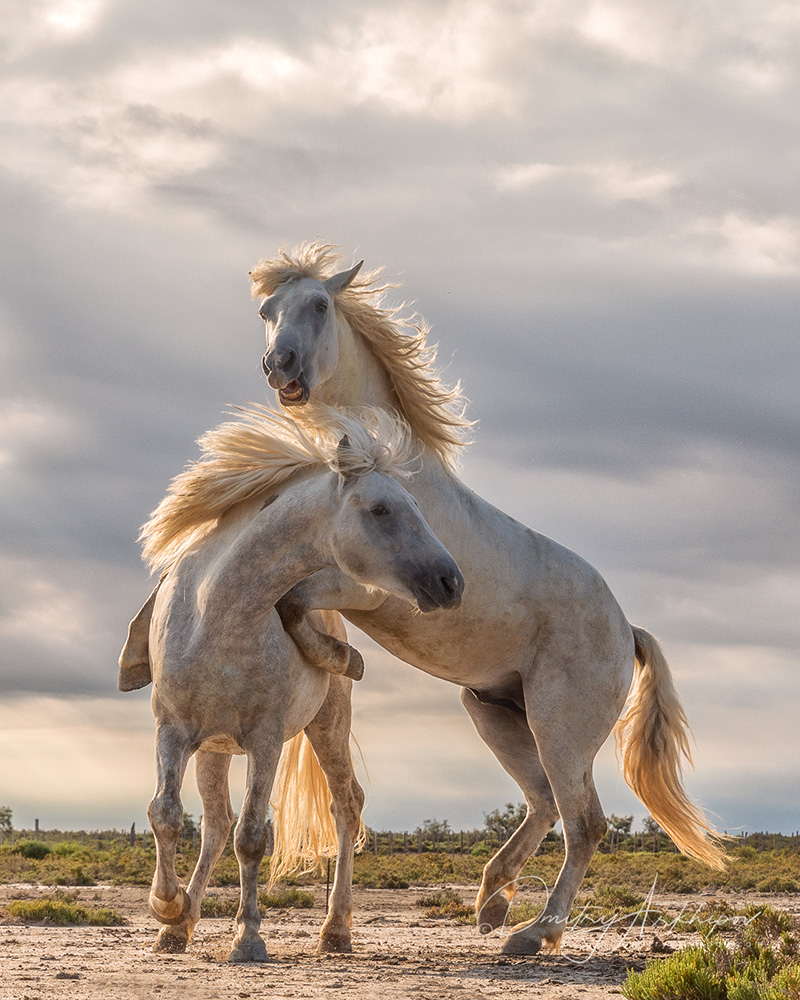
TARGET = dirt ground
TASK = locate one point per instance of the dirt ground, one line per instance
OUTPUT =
(398, 953)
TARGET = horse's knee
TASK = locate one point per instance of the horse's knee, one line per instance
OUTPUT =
(589, 827)
(291, 611)
(250, 840)
(165, 813)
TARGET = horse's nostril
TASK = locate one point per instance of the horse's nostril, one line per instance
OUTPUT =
(288, 360)
(448, 585)
(265, 367)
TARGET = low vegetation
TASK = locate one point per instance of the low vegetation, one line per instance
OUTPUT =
(85, 860)
(446, 904)
(761, 962)
(62, 911)
(286, 898)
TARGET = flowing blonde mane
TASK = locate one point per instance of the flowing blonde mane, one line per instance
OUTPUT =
(434, 411)
(260, 450)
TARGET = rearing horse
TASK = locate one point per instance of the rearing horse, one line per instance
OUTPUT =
(544, 654)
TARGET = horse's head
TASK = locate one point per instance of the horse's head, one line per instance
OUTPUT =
(302, 340)
(381, 540)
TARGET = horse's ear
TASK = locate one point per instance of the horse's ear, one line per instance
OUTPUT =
(341, 458)
(338, 282)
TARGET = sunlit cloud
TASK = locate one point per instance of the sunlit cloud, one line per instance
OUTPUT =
(73, 16)
(440, 65)
(756, 246)
(651, 34)
(614, 180)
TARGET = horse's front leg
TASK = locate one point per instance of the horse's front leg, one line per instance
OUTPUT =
(169, 903)
(326, 590)
(212, 783)
(263, 748)
(329, 734)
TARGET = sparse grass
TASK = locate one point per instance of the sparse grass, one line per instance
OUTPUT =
(285, 898)
(62, 911)
(289, 897)
(217, 906)
(446, 904)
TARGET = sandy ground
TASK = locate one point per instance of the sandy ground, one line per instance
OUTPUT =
(397, 953)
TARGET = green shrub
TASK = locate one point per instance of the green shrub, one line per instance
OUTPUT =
(35, 849)
(761, 964)
(688, 975)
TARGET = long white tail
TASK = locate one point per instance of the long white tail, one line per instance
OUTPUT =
(305, 832)
(652, 738)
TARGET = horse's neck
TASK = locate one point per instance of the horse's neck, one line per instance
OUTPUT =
(275, 550)
(359, 379)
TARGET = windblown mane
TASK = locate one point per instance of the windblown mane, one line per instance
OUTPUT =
(434, 411)
(260, 450)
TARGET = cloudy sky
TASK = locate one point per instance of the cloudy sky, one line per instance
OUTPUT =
(594, 202)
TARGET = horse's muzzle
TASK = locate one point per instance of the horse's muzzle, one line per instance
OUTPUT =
(441, 592)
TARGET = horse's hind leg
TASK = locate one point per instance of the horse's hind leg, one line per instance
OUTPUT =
(263, 747)
(212, 783)
(329, 734)
(506, 732)
(168, 901)
(571, 721)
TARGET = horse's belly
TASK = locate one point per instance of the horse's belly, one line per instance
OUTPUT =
(457, 646)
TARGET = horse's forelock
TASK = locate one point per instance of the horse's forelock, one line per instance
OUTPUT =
(310, 260)
(377, 441)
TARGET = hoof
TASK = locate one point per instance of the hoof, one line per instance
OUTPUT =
(492, 914)
(335, 944)
(169, 943)
(172, 912)
(249, 951)
(355, 665)
(532, 943)
(519, 945)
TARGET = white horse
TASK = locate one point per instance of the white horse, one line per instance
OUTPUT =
(269, 506)
(542, 650)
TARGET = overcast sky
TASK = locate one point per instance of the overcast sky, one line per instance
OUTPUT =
(596, 205)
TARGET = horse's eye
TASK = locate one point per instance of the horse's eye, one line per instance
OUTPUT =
(322, 307)
(379, 510)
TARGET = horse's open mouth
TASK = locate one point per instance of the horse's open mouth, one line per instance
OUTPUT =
(292, 394)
